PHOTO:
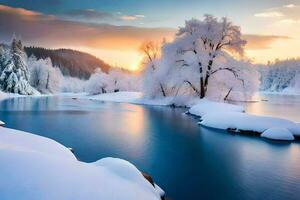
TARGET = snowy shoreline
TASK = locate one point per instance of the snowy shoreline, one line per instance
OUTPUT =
(233, 118)
(216, 115)
(35, 153)
(212, 114)
(25, 151)
(55, 173)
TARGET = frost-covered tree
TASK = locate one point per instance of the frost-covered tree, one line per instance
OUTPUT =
(280, 75)
(15, 75)
(201, 62)
(43, 76)
(153, 81)
(99, 83)
(123, 80)
(205, 41)
(3, 58)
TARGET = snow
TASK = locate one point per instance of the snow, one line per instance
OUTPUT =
(34, 167)
(247, 122)
(129, 97)
(232, 117)
(20, 140)
(4, 95)
(278, 134)
(206, 106)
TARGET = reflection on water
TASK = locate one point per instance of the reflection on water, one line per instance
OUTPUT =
(188, 161)
(284, 106)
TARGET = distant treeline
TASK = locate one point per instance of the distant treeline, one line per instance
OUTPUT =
(72, 63)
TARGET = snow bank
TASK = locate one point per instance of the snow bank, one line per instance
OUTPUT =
(4, 95)
(130, 97)
(34, 167)
(205, 106)
(247, 122)
(23, 141)
(232, 117)
(278, 134)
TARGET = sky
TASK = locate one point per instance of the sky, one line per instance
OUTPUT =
(114, 29)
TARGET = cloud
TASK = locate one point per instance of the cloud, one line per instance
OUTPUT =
(285, 14)
(256, 42)
(131, 17)
(35, 4)
(19, 11)
(49, 31)
(91, 15)
(269, 14)
(290, 6)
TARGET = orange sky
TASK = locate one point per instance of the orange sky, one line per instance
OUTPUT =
(275, 33)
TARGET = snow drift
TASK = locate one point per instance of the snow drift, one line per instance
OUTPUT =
(278, 134)
(205, 106)
(232, 118)
(247, 122)
(34, 167)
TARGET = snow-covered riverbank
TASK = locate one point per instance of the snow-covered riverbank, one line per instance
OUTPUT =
(233, 118)
(215, 114)
(29, 161)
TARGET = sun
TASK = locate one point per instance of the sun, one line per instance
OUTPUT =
(136, 64)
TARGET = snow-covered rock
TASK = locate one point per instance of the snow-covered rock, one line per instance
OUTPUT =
(205, 106)
(34, 167)
(247, 122)
(278, 134)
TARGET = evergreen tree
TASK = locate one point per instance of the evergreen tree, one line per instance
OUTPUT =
(15, 74)
(3, 59)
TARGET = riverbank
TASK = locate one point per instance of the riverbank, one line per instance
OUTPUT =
(217, 115)
(212, 114)
(31, 161)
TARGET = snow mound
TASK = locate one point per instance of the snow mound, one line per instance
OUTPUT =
(117, 96)
(205, 106)
(34, 167)
(130, 97)
(247, 122)
(278, 134)
(23, 141)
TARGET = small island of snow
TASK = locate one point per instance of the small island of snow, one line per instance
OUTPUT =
(278, 134)
(232, 118)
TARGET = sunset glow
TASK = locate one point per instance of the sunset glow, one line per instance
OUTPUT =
(114, 34)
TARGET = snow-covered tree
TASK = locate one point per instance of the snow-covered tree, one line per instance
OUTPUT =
(99, 83)
(43, 76)
(3, 58)
(201, 61)
(207, 40)
(123, 80)
(153, 82)
(15, 75)
(280, 75)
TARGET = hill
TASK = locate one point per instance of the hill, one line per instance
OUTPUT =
(71, 62)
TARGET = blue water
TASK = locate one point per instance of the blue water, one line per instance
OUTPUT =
(187, 161)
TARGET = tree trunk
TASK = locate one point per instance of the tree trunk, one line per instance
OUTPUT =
(227, 95)
(162, 90)
(204, 84)
(202, 89)
(47, 83)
